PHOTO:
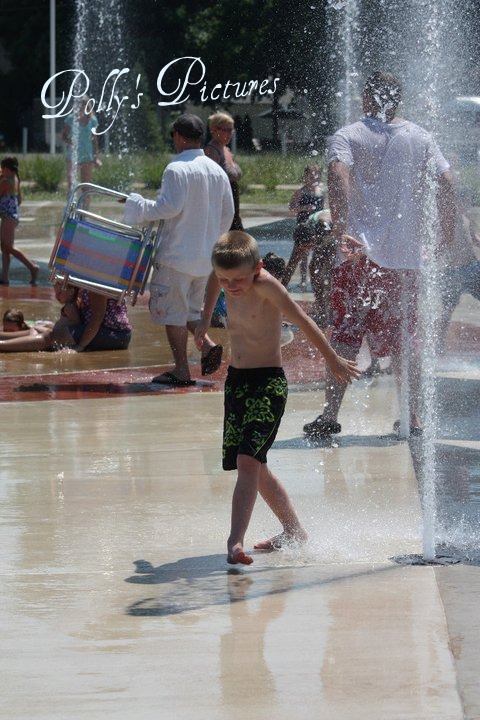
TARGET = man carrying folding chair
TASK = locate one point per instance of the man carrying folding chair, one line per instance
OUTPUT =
(195, 202)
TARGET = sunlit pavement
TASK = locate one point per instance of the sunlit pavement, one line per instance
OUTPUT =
(116, 600)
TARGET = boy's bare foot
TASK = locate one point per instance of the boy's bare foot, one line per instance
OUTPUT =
(239, 556)
(281, 540)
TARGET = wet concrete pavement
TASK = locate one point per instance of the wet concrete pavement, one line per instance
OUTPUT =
(115, 597)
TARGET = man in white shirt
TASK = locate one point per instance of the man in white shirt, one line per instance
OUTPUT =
(195, 202)
(382, 172)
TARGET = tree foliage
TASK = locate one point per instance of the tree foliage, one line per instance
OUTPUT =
(298, 42)
(24, 57)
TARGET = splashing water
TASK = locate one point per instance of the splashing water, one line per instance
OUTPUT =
(337, 4)
(99, 48)
(429, 296)
(427, 45)
(348, 90)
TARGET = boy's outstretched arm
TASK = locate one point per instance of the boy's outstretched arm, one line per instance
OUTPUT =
(211, 296)
(344, 370)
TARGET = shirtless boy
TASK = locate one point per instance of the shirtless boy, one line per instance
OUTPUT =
(256, 388)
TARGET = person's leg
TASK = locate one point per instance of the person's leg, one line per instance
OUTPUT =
(168, 306)
(414, 386)
(317, 279)
(450, 293)
(8, 248)
(178, 338)
(374, 368)
(33, 267)
(335, 390)
(350, 317)
(471, 279)
(303, 271)
(302, 244)
(327, 423)
(243, 502)
(321, 268)
(298, 252)
(70, 177)
(277, 499)
(254, 404)
(6, 239)
(400, 328)
(86, 170)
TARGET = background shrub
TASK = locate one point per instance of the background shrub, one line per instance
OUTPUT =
(151, 169)
(115, 173)
(262, 172)
(270, 170)
(45, 171)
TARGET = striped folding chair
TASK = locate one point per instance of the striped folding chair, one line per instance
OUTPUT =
(100, 254)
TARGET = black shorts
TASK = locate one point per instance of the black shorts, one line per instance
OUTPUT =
(255, 401)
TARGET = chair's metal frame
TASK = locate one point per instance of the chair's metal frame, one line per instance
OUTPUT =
(144, 240)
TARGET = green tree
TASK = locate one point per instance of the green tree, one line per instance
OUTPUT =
(24, 58)
(144, 128)
(270, 38)
(241, 41)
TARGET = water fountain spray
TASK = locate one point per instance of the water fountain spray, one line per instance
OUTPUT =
(410, 39)
(99, 47)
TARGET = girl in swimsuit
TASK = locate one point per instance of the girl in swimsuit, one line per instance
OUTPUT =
(306, 200)
(10, 199)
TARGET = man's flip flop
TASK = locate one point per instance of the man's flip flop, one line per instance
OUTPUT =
(212, 360)
(168, 378)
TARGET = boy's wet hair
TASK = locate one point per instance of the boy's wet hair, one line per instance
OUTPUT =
(235, 248)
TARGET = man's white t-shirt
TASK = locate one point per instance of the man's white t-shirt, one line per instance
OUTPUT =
(195, 201)
(393, 172)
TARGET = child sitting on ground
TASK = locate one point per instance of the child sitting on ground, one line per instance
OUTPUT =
(256, 388)
(69, 314)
